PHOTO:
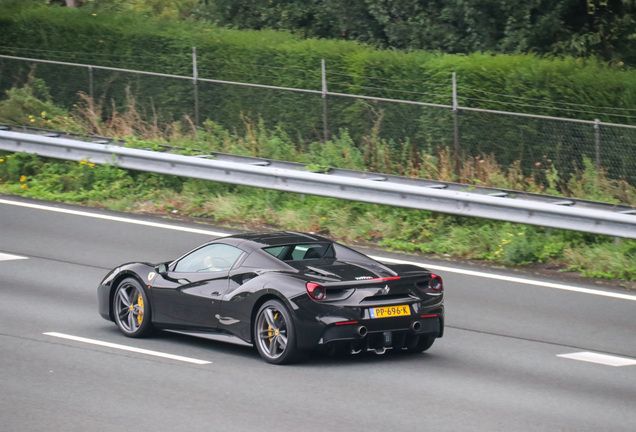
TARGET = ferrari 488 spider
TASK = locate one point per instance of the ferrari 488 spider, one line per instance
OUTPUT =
(285, 293)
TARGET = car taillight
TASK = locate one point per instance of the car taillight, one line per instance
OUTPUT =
(315, 290)
(436, 283)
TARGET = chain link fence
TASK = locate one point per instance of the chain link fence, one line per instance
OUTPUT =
(407, 129)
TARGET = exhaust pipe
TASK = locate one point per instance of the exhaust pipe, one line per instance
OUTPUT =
(416, 326)
(362, 331)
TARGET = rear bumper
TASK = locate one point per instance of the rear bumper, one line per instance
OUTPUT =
(429, 325)
(387, 332)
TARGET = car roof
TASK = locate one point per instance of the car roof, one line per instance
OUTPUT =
(279, 238)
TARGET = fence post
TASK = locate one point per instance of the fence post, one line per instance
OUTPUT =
(90, 82)
(325, 125)
(195, 76)
(456, 124)
(597, 142)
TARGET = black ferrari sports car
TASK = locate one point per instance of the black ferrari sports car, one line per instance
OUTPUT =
(284, 293)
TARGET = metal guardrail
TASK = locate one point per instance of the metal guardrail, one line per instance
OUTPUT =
(452, 198)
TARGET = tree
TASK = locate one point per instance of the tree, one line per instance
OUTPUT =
(581, 28)
(603, 28)
(173, 9)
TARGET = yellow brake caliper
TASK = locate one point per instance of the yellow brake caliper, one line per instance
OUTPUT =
(140, 303)
(271, 332)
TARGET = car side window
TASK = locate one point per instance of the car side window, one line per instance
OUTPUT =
(299, 252)
(214, 257)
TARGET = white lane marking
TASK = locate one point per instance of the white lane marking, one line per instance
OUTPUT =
(127, 348)
(388, 260)
(512, 279)
(113, 218)
(9, 257)
(603, 359)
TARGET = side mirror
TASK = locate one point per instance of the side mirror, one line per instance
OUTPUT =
(162, 269)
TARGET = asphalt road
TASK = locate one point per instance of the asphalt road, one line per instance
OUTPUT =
(498, 367)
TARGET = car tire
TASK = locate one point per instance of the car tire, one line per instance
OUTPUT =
(274, 333)
(423, 343)
(131, 309)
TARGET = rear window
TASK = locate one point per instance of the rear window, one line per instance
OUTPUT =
(297, 252)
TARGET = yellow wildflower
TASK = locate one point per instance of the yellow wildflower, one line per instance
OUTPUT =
(23, 179)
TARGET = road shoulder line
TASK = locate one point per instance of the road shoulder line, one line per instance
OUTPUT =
(127, 348)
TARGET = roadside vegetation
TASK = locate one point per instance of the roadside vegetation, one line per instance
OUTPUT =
(398, 229)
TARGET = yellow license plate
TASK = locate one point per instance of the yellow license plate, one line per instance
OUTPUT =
(390, 311)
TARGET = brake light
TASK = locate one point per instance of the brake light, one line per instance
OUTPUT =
(436, 283)
(315, 290)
